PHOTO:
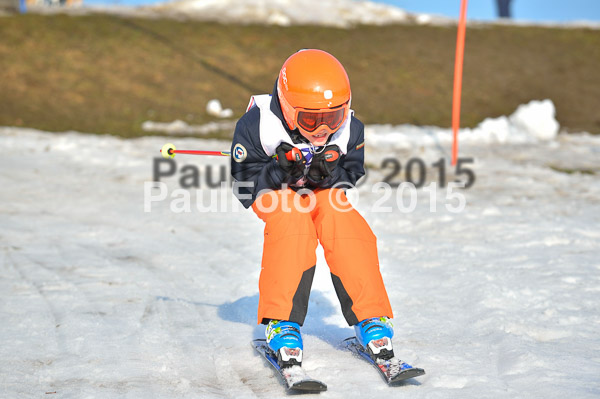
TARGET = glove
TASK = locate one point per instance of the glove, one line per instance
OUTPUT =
(323, 163)
(290, 159)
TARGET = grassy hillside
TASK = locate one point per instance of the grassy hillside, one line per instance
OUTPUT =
(108, 74)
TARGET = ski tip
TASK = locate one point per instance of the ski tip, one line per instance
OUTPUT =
(309, 386)
(294, 378)
(409, 372)
(406, 375)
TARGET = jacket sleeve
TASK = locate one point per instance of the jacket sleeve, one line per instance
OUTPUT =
(252, 169)
(350, 168)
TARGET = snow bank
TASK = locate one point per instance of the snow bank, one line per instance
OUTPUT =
(536, 119)
(179, 127)
(340, 13)
(530, 123)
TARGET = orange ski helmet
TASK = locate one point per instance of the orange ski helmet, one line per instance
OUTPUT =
(314, 91)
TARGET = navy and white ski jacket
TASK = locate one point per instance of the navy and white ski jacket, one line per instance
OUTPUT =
(262, 129)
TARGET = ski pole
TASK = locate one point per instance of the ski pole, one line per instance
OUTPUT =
(169, 151)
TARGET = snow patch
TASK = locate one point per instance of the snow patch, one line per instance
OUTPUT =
(179, 127)
(214, 108)
(532, 122)
(536, 119)
(339, 13)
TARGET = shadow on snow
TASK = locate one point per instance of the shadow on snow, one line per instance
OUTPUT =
(244, 310)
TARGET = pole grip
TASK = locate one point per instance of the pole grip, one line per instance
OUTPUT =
(293, 155)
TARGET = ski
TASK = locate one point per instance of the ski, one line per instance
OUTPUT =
(294, 377)
(392, 370)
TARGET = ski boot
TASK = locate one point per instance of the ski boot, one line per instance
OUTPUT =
(375, 335)
(285, 340)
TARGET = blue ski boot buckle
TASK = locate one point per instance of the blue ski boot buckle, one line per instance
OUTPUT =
(285, 341)
(375, 335)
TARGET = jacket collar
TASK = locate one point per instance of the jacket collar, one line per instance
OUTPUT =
(276, 109)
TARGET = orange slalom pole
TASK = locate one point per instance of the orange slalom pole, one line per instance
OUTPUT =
(458, 72)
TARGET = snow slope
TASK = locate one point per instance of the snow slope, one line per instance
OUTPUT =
(101, 299)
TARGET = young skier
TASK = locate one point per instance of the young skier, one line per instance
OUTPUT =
(293, 154)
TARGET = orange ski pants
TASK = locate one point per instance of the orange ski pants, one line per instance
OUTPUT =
(294, 224)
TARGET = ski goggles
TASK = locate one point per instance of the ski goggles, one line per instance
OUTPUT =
(311, 119)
